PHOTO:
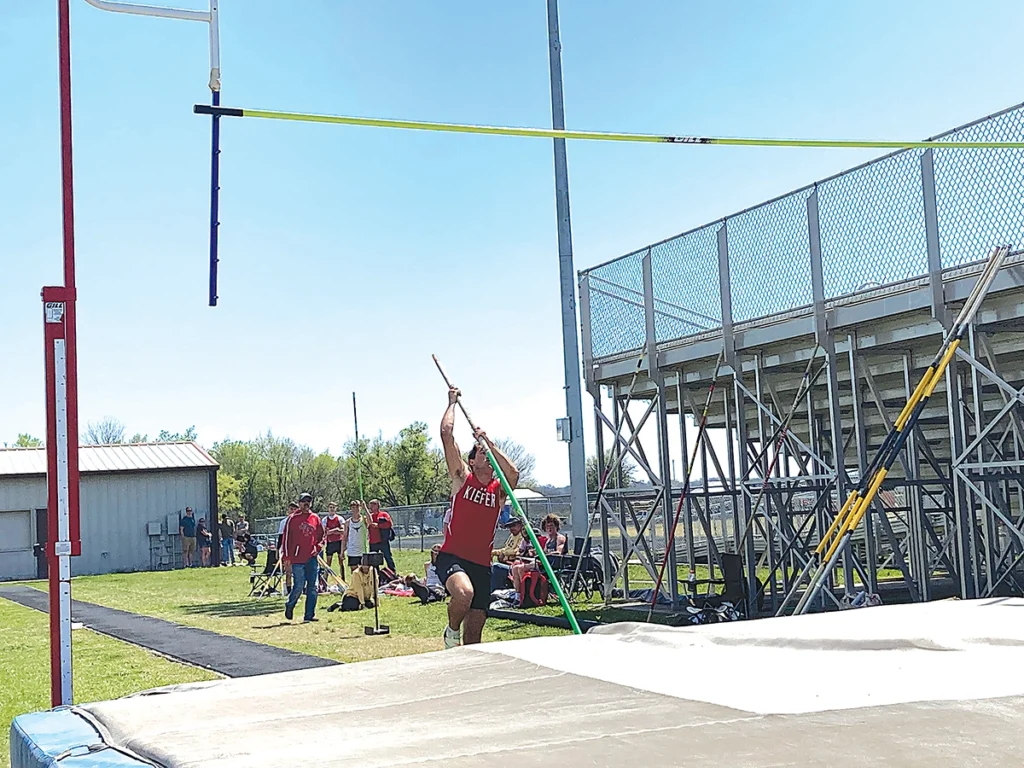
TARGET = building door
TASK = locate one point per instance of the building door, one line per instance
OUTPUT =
(42, 528)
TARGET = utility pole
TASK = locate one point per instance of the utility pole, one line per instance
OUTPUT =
(570, 343)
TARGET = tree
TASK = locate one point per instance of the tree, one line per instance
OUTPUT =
(27, 441)
(525, 461)
(229, 497)
(138, 437)
(176, 437)
(594, 480)
(109, 431)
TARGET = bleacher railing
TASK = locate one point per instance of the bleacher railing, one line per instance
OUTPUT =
(872, 225)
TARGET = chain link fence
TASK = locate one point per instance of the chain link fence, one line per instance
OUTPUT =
(872, 233)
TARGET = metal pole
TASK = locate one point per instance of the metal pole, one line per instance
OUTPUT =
(570, 345)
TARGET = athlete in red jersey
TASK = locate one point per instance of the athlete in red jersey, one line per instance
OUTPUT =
(335, 527)
(464, 562)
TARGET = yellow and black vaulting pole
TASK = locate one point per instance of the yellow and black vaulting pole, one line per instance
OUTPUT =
(856, 506)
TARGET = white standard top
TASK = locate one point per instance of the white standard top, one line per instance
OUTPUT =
(355, 538)
(280, 528)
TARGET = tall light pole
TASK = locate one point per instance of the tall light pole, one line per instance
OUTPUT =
(566, 274)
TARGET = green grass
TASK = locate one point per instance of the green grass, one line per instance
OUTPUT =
(215, 599)
(104, 668)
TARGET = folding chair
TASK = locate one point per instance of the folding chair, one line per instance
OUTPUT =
(268, 581)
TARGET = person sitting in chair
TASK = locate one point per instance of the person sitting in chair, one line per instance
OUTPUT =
(508, 555)
(554, 544)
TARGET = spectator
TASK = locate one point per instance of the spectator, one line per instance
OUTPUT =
(430, 568)
(553, 545)
(361, 590)
(249, 550)
(303, 538)
(354, 535)
(506, 556)
(381, 532)
(187, 531)
(227, 540)
(241, 527)
(426, 592)
(204, 539)
(335, 527)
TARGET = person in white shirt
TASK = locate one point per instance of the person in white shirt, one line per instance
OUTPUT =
(354, 535)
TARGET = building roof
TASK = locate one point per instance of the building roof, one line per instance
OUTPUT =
(527, 493)
(129, 457)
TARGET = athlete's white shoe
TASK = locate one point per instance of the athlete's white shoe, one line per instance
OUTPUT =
(452, 637)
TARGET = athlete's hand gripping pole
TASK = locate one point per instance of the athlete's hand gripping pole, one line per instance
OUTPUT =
(518, 510)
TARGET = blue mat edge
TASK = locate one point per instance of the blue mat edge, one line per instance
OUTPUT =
(38, 739)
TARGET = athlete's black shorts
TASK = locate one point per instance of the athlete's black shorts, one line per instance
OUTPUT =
(479, 576)
(334, 548)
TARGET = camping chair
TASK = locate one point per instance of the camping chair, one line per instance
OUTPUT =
(734, 585)
(589, 580)
(268, 581)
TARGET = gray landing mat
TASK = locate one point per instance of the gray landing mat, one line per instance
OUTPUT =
(229, 656)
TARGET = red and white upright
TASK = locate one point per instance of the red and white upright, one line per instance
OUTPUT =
(61, 357)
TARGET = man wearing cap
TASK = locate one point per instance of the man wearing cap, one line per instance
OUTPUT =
(301, 542)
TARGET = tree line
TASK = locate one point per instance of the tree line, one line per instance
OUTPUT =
(108, 431)
(259, 477)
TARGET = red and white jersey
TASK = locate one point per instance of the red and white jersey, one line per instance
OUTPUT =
(334, 526)
(469, 526)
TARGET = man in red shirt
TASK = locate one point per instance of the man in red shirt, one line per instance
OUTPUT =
(464, 562)
(301, 542)
(380, 527)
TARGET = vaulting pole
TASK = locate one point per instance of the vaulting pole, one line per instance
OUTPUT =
(839, 534)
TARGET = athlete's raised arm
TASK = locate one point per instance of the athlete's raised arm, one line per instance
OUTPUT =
(457, 469)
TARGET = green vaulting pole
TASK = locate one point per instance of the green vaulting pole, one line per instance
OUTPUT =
(359, 469)
(519, 511)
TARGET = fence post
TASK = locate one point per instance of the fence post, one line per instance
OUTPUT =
(725, 293)
(817, 269)
(931, 230)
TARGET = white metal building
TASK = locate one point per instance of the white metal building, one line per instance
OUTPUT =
(131, 499)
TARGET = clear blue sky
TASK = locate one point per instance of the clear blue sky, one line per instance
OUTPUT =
(349, 255)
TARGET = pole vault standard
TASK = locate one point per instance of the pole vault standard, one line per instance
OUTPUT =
(212, 18)
(519, 511)
(61, 364)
